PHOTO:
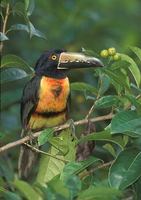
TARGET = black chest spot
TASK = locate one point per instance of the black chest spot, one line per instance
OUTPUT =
(57, 91)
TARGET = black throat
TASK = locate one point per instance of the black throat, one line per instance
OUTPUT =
(56, 73)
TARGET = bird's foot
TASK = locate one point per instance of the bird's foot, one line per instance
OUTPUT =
(72, 128)
(32, 140)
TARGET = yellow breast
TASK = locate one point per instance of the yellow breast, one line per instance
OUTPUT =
(53, 95)
(39, 122)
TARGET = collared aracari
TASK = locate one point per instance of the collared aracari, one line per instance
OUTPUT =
(46, 96)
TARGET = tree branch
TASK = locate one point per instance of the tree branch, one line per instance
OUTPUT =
(65, 126)
(90, 111)
(45, 153)
(101, 166)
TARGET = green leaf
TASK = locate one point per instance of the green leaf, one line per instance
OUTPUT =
(138, 189)
(15, 61)
(49, 167)
(136, 88)
(107, 101)
(125, 139)
(110, 149)
(63, 189)
(3, 3)
(119, 64)
(65, 143)
(126, 121)
(99, 193)
(118, 78)
(11, 85)
(19, 27)
(103, 136)
(8, 75)
(80, 86)
(26, 2)
(73, 183)
(58, 187)
(18, 9)
(43, 189)
(8, 89)
(104, 83)
(3, 37)
(137, 142)
(134, 102)
(126, 169)
(137, 51)
(77, 167)
(60, 143)
(133, 68)
(45, 135)
(27, 190)
(29, 29)
(11, 196)
(35, 32)
(29, 7)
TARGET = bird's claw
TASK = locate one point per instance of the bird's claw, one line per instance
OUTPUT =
(72, 128)
(32, 140)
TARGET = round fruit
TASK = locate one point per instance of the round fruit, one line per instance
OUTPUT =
(112, 51)
(104, 53)
(116, 57)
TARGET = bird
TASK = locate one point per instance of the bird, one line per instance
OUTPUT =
(46, 97)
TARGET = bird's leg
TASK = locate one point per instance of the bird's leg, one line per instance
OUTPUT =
(32, 140)
(72, 128)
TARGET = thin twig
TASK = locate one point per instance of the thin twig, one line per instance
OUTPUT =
(5, 24)
(5, 19)
(139, 96)
(93, 106)
(65, 126)
(104, 165)
(45, 153)
(129, 104)
(90, 111)
(89, 172)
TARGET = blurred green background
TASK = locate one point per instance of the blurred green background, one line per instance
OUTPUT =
(68, 24)
(74, 24)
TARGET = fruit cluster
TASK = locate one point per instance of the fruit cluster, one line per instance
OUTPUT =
(111, 52)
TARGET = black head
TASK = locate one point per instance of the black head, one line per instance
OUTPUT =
(55, 63)
(47, 64)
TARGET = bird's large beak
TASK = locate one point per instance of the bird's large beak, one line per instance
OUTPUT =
(68, 60)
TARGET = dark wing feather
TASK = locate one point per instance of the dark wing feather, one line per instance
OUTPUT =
(28, 104)
(29, 99)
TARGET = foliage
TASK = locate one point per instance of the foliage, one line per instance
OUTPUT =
(112, 171)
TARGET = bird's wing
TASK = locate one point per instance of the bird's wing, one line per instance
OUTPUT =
(29, 100)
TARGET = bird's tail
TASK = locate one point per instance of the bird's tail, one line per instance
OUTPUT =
(26, 161)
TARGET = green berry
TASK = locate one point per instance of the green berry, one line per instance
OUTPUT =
(116, 57)
(112, 51)
(104, 53)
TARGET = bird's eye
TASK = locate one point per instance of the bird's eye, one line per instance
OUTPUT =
(53, 57)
